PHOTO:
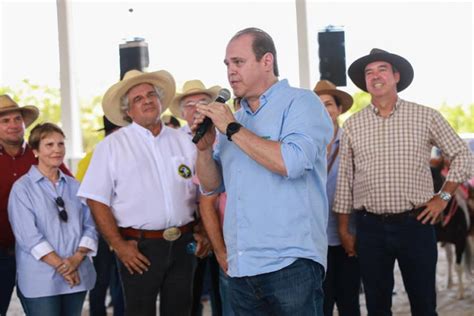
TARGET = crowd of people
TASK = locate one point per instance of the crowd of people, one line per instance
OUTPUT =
(289, 212)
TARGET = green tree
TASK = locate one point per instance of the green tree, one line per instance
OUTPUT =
(461, 118)
(48, 101)
(361, 100)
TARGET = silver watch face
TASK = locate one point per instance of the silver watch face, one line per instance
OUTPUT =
(445, 196)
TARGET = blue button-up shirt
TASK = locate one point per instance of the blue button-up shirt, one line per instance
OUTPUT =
(38, 230)
(272, 220)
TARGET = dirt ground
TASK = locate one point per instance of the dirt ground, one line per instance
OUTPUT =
(448, 304)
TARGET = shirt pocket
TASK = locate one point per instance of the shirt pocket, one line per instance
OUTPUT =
(183, 175)
(182, 168)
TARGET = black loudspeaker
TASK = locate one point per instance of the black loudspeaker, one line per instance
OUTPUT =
(332, 56)
(133, 55)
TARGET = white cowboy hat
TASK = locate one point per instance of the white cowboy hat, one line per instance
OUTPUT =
(111, 101)
(29, 112)
(192, 87)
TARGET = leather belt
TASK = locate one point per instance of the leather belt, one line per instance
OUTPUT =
(170, 234)
(389, 217)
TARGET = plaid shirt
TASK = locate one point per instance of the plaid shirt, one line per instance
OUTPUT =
(384, 164)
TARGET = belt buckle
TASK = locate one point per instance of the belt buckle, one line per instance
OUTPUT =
(171, 234)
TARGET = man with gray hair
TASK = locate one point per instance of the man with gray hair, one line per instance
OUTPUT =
(140, 191)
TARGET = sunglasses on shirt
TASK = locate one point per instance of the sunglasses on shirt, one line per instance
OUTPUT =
(62, 210)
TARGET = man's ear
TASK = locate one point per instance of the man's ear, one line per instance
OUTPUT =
(396, 75)
(268, 61)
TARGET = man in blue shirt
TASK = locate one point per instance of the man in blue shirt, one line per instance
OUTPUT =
(271, 161)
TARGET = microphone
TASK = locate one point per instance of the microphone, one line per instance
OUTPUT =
(222, 97)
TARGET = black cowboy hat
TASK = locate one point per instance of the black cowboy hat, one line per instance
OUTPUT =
(356, 71)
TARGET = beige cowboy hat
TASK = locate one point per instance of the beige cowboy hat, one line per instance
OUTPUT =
(192, 87)
(356, 71)
(111, 101)
(327, 87)
(29, 112)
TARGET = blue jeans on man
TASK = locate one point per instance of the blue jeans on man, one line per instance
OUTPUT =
(224, 293)
(293, 290)
(7, 277)
(381, 241)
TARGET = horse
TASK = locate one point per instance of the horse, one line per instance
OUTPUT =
(454, 229)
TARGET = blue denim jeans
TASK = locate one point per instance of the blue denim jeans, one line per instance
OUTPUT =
(57, 305)
(206, 281)
(224, 293)
(7, 278)
(295, 290)
(413, 245)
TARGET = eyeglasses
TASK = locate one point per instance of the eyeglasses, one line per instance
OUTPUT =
(192, 104)
(62, 210)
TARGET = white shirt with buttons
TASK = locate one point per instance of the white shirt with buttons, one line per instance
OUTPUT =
(146, 180)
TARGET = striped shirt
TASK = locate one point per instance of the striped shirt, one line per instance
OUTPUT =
(384, 162)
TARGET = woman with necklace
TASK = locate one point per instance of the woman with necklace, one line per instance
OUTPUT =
(54, 231)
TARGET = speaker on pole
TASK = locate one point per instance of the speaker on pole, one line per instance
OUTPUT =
(133, 55)
(332, 55)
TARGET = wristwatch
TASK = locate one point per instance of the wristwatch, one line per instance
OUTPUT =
(232, 128)
(445, 196)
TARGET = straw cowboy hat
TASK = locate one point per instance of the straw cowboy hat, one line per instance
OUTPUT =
(327, 87)
(356, 71)
(192, 87)
(111, 101)
(29, 112)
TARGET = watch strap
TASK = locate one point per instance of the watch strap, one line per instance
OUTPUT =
(445, 196)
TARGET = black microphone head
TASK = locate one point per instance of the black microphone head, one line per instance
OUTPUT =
(224, 94)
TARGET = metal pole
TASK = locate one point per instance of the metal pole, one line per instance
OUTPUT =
(70, 112)
(303, 47)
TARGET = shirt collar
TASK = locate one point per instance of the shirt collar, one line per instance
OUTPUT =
(265, 96)
(37, 176)
(146, 132)
(21, 152)
(395, 108)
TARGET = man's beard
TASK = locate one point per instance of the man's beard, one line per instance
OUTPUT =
(13, 142)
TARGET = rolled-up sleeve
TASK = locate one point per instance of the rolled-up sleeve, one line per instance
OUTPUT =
(89, 234)
(307, 131)
(456, 150)
(343, 201)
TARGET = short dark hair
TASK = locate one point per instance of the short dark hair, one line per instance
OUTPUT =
(262, 44)
(40, 131)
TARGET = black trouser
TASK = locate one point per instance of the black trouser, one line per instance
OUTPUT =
(105, 264)
(342, 283)
(170, 274)
(207, 267)
(7, 278)
(382, 240)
